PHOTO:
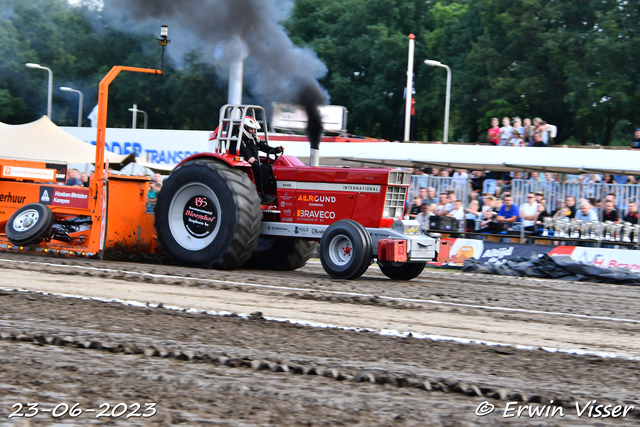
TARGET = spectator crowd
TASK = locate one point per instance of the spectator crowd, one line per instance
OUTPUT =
(487, 202)
(519, 133)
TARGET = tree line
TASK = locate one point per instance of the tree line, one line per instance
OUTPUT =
(571, 63)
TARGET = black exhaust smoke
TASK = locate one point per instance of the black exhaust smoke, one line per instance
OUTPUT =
(275, 69)
(311, 99)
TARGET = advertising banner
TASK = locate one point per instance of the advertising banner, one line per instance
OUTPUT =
(24, 172)
(604, 258)
(288, 116)
(165, 147)
(72, 197)
(491, 252)
(499, 253)
(462, 249)
(61, 171)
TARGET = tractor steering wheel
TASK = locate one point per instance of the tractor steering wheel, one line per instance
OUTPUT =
(275, 155)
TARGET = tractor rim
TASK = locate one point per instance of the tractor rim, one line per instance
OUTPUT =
(26, 220)
(194, 216)
(341, 250)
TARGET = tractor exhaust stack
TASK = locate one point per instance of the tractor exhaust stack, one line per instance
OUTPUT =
(237, 52)
(314, 157)
(235, 81)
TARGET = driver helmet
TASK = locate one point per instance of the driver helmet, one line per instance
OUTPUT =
(250, 123)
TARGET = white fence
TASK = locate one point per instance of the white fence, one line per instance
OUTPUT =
(556, 192)
(460, 187)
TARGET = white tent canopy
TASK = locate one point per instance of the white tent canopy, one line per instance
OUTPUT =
(43, 140)
(162, 169)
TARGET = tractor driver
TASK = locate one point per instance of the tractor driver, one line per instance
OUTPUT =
(249, 149)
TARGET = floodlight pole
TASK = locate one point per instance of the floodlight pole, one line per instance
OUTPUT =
(50, 90)
(135, 113)
(163, 41)
(407, 105)
(431, 63)
(80, 101)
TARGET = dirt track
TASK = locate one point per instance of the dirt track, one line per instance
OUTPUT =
(223, 370)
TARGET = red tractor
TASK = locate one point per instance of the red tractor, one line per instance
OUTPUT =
(209, 213)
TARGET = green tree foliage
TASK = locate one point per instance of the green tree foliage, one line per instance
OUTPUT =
(80, 47)
(572, 63)
(364, 45)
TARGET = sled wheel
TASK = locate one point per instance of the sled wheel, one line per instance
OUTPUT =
(401, 270)
(345, 250)
(208, 215)
(29, 224)
(274, 253)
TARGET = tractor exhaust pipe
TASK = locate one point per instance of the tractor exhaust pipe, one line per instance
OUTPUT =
(235, 81)
(237, 52)
(314, 157)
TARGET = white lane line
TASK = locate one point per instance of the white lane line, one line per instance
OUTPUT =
(383, 332)
(382, 297)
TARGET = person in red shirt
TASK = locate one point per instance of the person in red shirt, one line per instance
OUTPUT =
(610, 213)
(632, 216)
(493, 134)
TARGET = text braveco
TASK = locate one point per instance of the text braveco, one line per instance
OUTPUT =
(316, 214)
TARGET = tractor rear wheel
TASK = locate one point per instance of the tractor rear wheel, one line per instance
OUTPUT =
(274, 253)
(29, 224)
(208, 215)
(401, 270)
(345, 250)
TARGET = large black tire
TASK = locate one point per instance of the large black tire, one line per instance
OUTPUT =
(274, 253)
(29, 224)
(208, 215)
(401, 270)
(345, 250)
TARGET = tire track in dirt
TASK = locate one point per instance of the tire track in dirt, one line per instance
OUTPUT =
(581, 335)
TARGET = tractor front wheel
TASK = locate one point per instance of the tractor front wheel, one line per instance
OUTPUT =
(401, 270)
(345, 250)
(208, 215)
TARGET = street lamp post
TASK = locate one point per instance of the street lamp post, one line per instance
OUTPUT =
(80, 100)
(448, 98)
(50, 94)
(407, 105)
(135, 116)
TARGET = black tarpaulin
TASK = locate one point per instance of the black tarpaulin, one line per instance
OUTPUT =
(554, 267)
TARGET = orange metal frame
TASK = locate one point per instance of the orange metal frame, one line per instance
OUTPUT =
(99, 181)
(103, 97)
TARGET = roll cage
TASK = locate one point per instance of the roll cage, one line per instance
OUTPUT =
(232, 117)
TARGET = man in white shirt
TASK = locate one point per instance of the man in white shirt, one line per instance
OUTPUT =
(450, 204)
(457, 212)
(505, 131)
(441, 208)
(528, 211)
(460, 179)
